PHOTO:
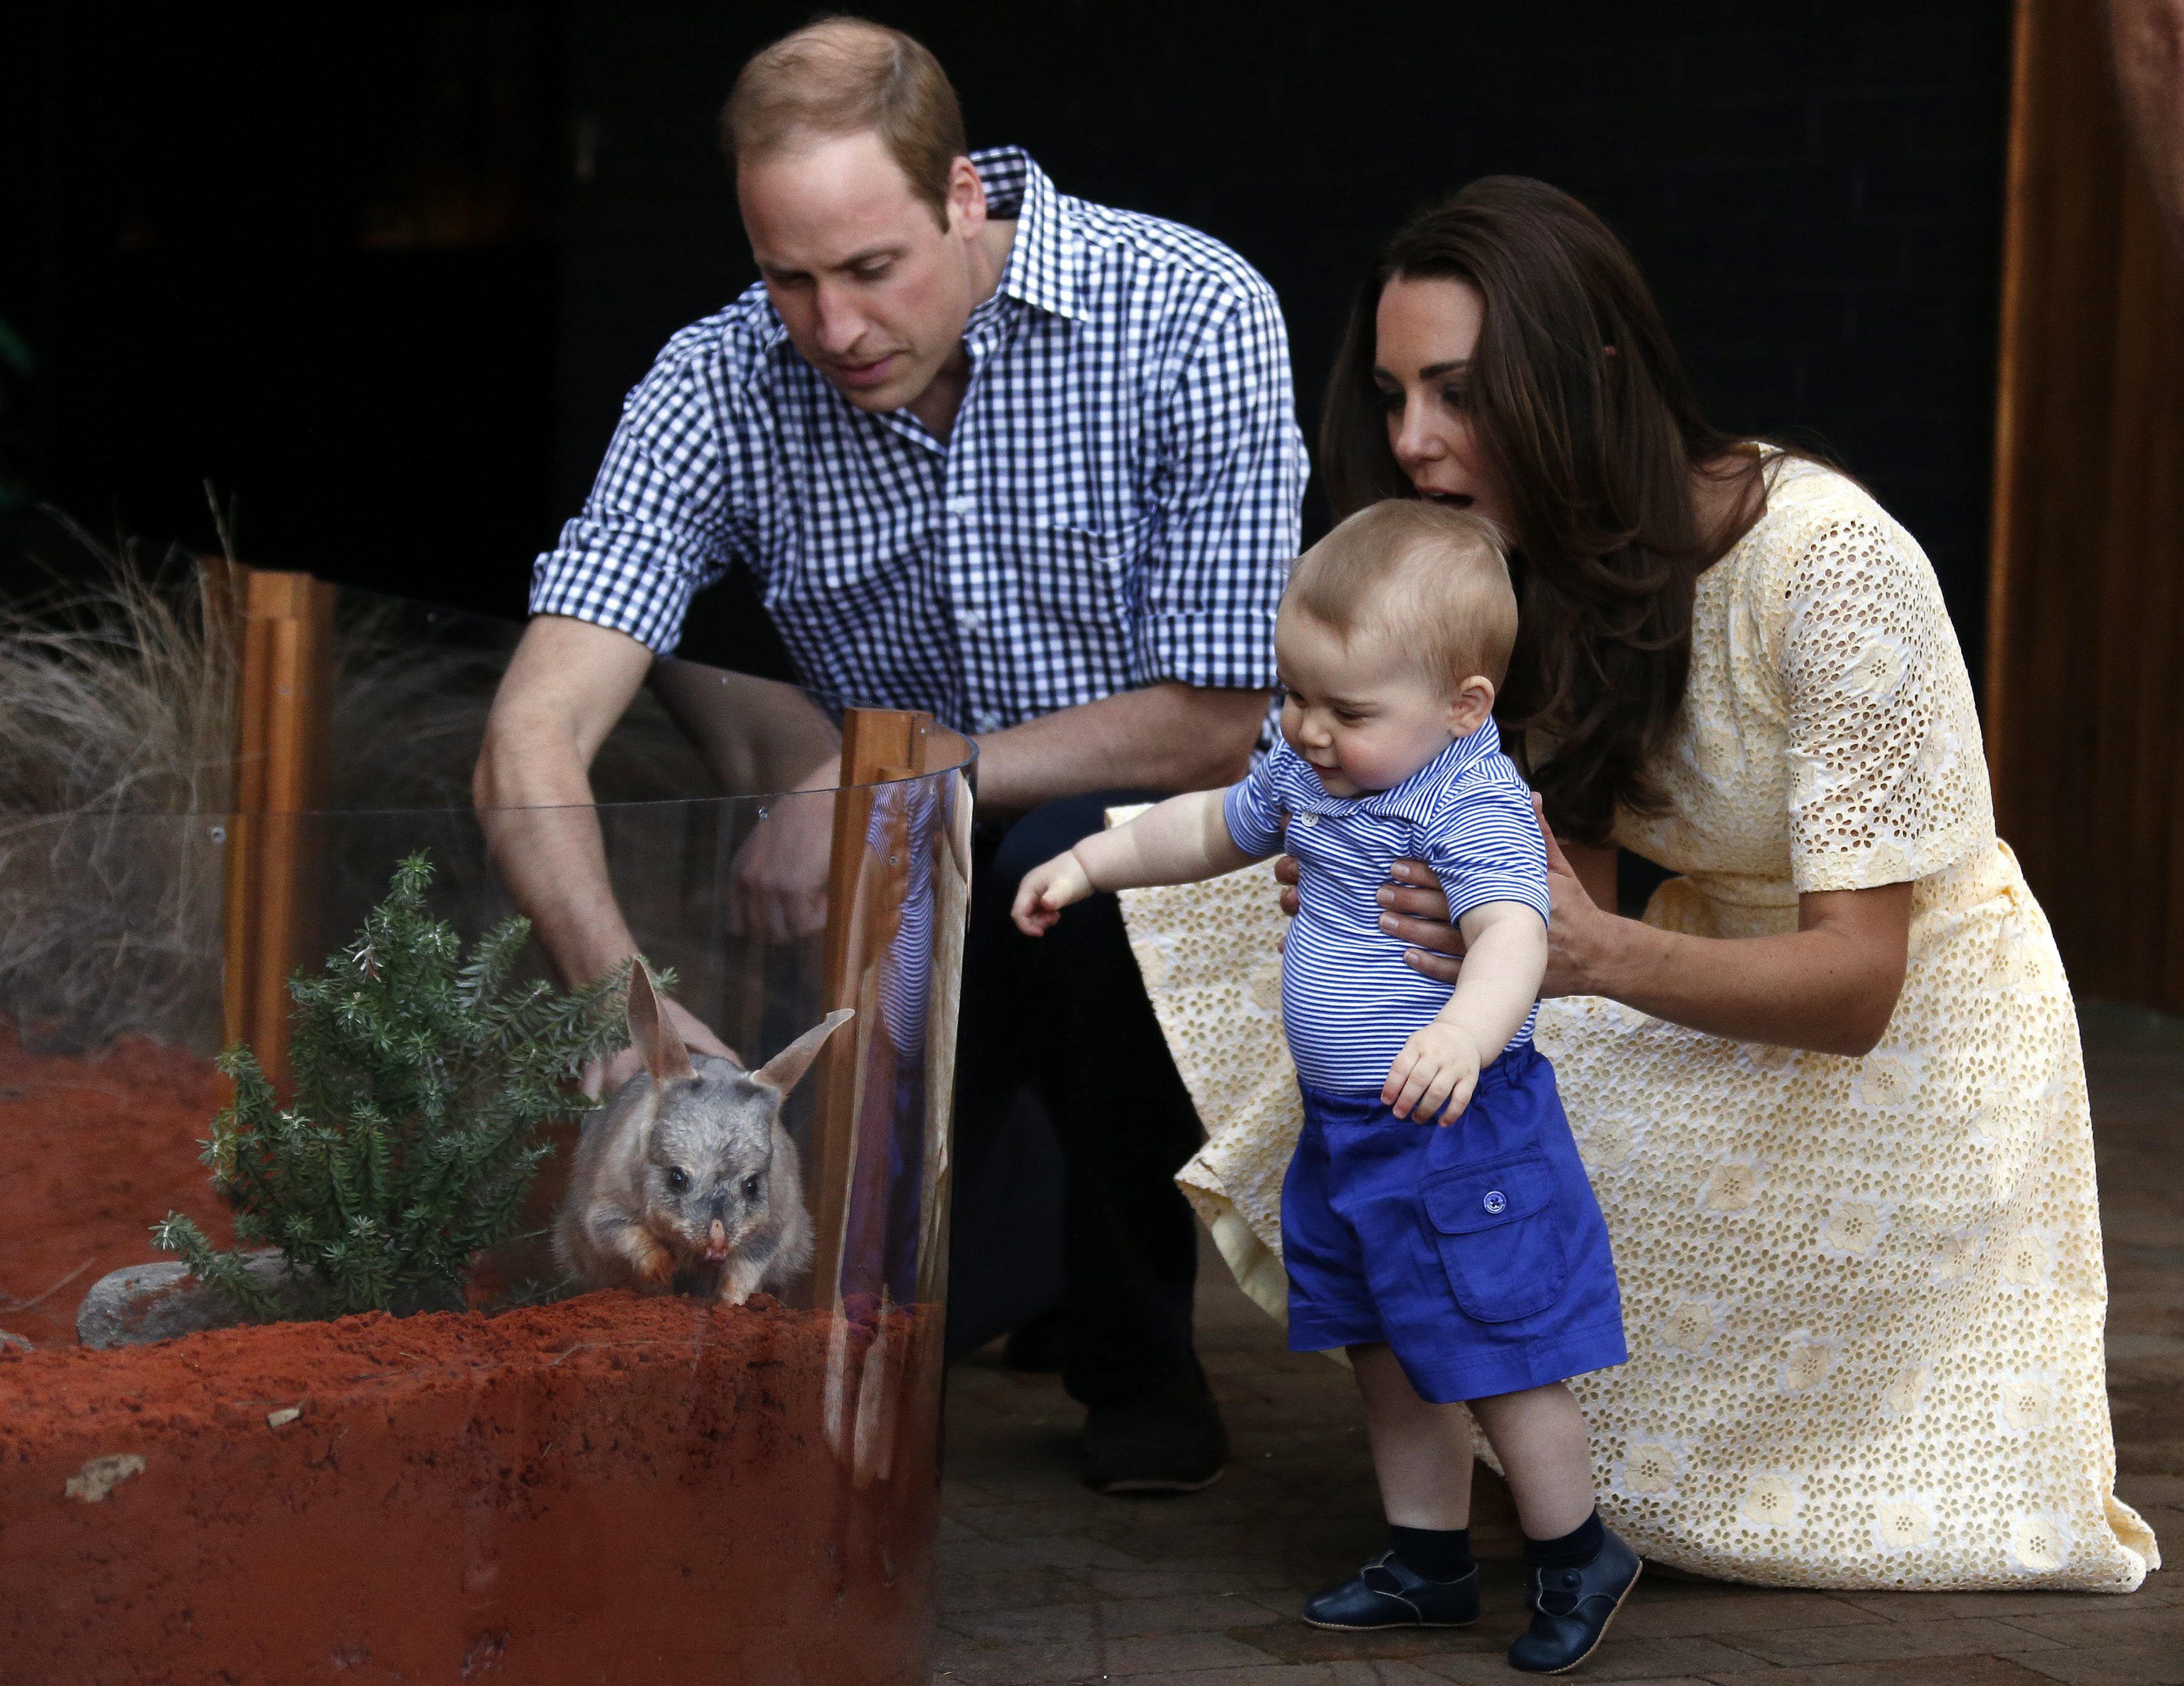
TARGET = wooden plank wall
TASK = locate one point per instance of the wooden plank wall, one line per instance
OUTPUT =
(2085, 709)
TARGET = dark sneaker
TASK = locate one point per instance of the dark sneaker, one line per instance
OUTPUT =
(1386, 1595)
(1169, 1440)
(1571, 1609)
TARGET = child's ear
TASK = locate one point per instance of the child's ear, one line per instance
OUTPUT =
(1472, 704)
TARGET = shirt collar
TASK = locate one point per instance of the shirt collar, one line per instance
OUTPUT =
(1417, 796)
(1040, 270)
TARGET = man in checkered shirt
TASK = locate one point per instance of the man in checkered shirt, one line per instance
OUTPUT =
(1025, 462)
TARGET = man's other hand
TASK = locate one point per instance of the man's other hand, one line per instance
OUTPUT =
(777, 888)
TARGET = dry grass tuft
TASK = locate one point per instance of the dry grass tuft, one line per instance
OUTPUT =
(116, 745)
(115, 717)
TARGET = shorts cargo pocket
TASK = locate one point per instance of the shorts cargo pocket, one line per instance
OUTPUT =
(1499, 1240)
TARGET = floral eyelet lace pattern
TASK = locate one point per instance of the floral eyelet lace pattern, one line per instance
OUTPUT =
(1864, 1297)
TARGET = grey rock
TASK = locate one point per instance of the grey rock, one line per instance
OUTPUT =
(146, 1303)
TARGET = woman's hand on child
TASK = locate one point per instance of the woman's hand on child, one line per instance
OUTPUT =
(1434, 1074)
(1047, 890)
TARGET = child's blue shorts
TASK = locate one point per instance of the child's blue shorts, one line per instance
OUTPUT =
(1476, 1252)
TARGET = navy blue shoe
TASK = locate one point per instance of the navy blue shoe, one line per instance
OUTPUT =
(1571, 1609)
(1385, 1595)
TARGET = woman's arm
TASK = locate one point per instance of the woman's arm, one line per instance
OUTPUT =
(1830, 986)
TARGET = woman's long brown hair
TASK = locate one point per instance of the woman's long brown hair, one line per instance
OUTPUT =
(1594, 450)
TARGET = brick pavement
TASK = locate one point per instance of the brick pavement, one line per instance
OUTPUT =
(1045, 1581)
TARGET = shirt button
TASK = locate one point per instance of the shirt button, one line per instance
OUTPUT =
(960, 507)
(1307, 818)
(1495, 1203)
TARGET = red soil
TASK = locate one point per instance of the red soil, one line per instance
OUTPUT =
(611, 1489)
(92, 1154)
(608, 1489)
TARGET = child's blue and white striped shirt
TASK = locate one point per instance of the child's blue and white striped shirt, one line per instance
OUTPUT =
(1348, 1001)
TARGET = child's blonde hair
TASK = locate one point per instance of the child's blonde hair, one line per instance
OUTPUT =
(1432, 581)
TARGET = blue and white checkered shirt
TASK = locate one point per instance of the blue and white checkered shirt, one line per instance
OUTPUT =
(1349, 1004)
(1116, 505)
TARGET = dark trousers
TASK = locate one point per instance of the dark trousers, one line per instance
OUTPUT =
(1065, 1017)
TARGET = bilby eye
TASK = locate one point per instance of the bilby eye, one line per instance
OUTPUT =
(750, 1187)
(678, 1180)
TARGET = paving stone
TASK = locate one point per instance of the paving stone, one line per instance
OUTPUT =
(962, 1664)
(2003, 1606)
(1948, 1671)
(1297, 1674)
(1618, 1659)
(1875, 1641)
(1179, 1652)
(1016, 1588)
(2110, 1666)
(1059, 1551)
(1186, 1582)
(1760, 1612)
(2117, 1623)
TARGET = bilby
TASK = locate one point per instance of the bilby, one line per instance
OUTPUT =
(686, 1179)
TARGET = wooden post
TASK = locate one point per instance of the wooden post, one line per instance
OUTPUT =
(283, 625)
(2085, 697)
(864, 907)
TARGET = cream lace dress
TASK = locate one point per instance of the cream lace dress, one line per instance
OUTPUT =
(1864, 1297)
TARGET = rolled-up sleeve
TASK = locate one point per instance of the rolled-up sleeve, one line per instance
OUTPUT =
(660, 523)
(1229, 512)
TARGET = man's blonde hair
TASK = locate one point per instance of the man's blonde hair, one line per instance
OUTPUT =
(844, 75)
(1432, 581)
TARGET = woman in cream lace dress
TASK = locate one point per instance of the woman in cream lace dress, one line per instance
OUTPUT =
(1830, 1090)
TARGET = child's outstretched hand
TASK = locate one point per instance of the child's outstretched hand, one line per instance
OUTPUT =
(1047, 890)
(1439, 1064)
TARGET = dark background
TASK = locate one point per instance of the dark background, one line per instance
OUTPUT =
(384, 276)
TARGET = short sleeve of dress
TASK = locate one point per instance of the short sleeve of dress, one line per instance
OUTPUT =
(1888, 781)
(1253, 809)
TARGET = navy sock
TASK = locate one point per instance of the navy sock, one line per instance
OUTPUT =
(1574, 1550)
(1436, 1553)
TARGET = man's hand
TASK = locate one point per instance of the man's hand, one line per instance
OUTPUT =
(1047, 890)
(1439, 1064)
(603, 1077)
(777, 888)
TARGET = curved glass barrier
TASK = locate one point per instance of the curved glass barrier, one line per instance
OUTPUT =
(668, 1448)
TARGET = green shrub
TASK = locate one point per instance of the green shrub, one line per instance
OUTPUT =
(421, 1090)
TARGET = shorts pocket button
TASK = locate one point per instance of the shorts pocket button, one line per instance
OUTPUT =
(1496, 1202)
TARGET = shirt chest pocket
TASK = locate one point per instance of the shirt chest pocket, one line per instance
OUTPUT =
(1498, 1228)
(1079, 574)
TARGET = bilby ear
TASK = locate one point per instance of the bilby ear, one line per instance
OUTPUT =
(787, 1068)
(649, 1032)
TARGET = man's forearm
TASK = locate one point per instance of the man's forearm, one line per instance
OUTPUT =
(544, 837)
(565, 688)
(1166, 736)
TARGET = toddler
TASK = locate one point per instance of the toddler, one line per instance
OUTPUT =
(1463, 1263)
